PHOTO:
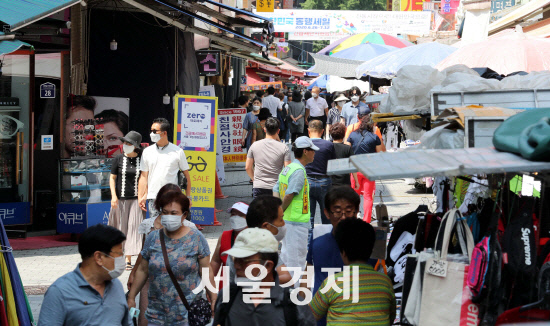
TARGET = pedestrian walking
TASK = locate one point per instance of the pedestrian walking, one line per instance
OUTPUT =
(249, 120)
(272, 102)
(319, 181)
(266, 159)
(293, 188)
(147, 226)
(227, 239)
(376, 304)
(160, 164)
(255, 249)
(341, 150)
(334, 114)
(288, 120)
(364, 141)
(281, 116)
(258, 132)
(341, 203)
(296, 112)
(90, 294)
(125, 213)
(350, 109)
(186, 252)
(316, 107)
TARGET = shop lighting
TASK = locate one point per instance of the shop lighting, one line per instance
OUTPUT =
(113, 45)
(166, 99)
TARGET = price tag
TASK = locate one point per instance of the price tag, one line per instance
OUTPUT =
(438, 268)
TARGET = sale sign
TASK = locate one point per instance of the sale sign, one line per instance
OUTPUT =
(196, 131)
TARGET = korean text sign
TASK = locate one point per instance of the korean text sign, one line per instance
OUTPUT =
(195, 120)
(230, 131)
(265, 5)
(348, 22)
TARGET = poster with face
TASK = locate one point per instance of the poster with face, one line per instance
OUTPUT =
(113, 111)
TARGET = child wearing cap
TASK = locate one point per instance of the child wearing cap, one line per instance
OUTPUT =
(227, 239)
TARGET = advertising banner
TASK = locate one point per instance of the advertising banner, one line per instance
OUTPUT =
(220, 170)
(332, 24)
(230, 131)
(15, 213)
(195, 119)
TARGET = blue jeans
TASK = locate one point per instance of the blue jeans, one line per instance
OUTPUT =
(318, 189)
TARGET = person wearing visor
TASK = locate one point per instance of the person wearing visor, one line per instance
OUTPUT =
(91, 294)
(125, 213)
(334, 114)
(255, 257)
(227, 239)
(188, 256)
(160, 165)
(293, 189)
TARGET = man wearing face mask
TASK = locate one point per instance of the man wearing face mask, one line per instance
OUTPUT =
(227, 239)
(316, 107)
(255, 251)
(249, 120)
(160, 165)
(350, 109)
(334, 113)
(91, 294)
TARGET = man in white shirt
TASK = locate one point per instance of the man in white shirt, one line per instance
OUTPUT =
(160, 164)
(266, 159)
(316, 107)
(271, 102)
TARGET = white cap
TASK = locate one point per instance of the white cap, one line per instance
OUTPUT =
(240, 206)
(305, 142)
(252, 241)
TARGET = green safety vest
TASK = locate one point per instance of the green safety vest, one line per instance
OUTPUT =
(298, 210)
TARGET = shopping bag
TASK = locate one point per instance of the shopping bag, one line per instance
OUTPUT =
(445, 292)
(412, 303)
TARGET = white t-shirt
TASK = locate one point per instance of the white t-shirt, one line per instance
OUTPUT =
(163, 165)
(316, 106)
(272, 103)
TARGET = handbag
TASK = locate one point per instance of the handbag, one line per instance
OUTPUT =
(199, 313)
(446, 296)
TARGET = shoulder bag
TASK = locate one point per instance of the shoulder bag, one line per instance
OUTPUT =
(199, 312)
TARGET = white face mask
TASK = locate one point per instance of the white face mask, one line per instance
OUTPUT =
(315, 95)
(128, 149)
(281, 231)
(154, 137)
(120, 266)
(256, 107)
(341, 103)
(238, 223)
(171, 222)
(355, 98)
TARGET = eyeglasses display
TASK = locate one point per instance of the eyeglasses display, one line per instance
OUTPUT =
(87, 137)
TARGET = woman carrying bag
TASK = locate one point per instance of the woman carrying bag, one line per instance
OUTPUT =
(174, 259)
(125, 213)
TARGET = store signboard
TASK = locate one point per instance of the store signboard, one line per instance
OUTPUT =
(71, 218)
(209, 63)
(15, 213)
(9, 101)
(328, 24)
(265, 5)
(230, 131)
(498, 5)
(449, 6)
(196, 132)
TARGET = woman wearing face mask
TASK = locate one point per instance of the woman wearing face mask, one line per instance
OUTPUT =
(125, 213)
(296, 112)
(189, 259)
(334, 113)
(249, 120)
(227, 239)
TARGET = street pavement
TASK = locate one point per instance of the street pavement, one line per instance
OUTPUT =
(40, 268)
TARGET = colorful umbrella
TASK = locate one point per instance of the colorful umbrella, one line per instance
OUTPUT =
(375, 38)
(326, 50)
(506, 54)
(364, 52)
(387, 65)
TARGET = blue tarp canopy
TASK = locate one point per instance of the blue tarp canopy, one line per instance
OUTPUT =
(320, 82)
(20, 13)
(9, 46)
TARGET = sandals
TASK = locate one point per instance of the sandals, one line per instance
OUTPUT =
(129, 266)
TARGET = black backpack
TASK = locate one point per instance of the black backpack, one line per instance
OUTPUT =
(289, 308)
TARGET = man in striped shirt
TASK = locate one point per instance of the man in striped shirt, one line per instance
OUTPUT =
(376, 304)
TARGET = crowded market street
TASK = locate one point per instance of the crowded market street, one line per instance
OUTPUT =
(40, 268)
